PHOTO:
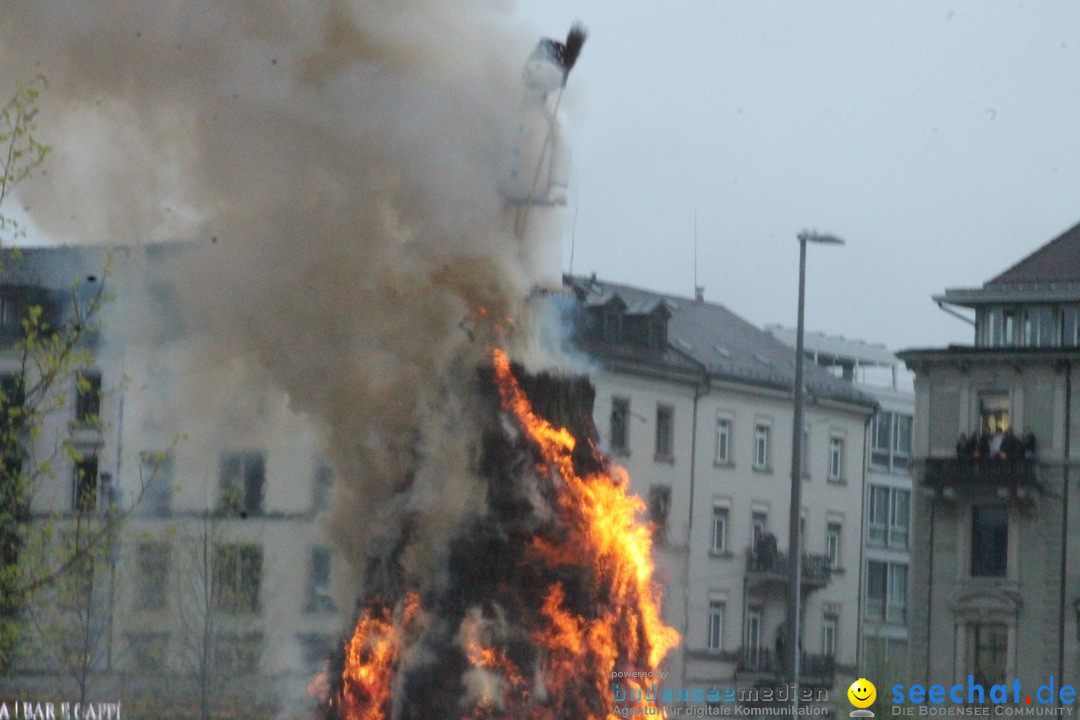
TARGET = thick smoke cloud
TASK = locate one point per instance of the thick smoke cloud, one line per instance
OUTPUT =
(337, 164)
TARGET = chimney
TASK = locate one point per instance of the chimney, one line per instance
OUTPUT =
(699, 293)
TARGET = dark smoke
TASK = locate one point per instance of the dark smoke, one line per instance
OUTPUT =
(337, 162)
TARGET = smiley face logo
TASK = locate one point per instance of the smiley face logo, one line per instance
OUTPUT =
(862, 693)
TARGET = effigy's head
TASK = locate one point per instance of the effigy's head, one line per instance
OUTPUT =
(543, 71)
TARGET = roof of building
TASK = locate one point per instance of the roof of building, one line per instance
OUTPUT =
(708, 337)
(836, 348)
(1050, 274)
(1058, 261)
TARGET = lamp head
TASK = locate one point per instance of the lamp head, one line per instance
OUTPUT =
(815, 237)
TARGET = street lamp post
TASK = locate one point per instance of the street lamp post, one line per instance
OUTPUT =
(794, 520)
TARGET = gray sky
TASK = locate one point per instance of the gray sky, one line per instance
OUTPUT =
(938, 139)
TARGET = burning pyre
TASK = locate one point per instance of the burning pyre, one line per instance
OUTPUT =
(550, 592)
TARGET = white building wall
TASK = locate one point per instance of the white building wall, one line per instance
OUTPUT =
(737, 486)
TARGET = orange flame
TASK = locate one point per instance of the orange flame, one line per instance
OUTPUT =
(606, 536)
(371, 657)
(621, 630)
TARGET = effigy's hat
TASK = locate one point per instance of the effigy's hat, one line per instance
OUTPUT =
(562, 54)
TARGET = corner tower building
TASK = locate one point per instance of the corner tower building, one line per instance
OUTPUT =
(995, 586)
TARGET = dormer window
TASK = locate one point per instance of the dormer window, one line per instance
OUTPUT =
(611, 330)
(646, 331)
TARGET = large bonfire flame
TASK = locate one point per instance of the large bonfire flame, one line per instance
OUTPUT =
(552, 596)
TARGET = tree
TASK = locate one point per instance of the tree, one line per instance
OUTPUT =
(46, 340)
(21, 152)
(219, 588)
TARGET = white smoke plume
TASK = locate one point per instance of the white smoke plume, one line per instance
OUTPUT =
(337, 162)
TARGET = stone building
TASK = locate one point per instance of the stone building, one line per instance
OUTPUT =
(995, 588)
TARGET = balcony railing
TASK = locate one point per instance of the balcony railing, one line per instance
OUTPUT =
(982, 472)
(812, 668)
(770, 565)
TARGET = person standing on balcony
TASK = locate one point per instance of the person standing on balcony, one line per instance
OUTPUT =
(1028, 441)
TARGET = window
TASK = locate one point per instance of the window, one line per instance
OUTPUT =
(760, 526)
(993, 332)
(148, 651)
(87, 396)
(889, 517)
(994, 410)
(833, 534)
(156, 480)
(1070, 326)
(237, 577)
(152, 575)
(1039, 326)
(723, 441)
(886, 592)
(828, 636)
(85, 483)
(890, 441)
(646, 331)
(899, 518)
(836, 459)
(753, 655)
(902, 443)
(11, 385)
(10, 315)
(620, 424)
(716, 626)
(665, 426)
(243, 475)
(319, 599)
(237, 653)
(1010, 325)
(719, 529)
(315, 649)
(989, 540)
(761, 447)
(324, 483)
(611, 326)
(659, 508)
(886, 656)
(989, 652)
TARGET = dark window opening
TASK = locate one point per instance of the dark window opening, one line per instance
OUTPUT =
(665, 426)
(989, 540)
(324, 484)
(85, 483)
(156, 481)
(319, 598)
(989, 648)
(152, 561)
(243, 476)
(659, 508)
(620, 418)
(237, 578)
(87, 396)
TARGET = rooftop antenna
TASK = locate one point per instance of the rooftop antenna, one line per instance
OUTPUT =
(699, 290)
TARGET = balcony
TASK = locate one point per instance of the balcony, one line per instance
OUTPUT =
(1016, 476)
(762, 663)
(767, 569)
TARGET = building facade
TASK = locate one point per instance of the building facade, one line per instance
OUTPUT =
(995, 590)
(197, 497)
(697, 404)
(885, 563)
